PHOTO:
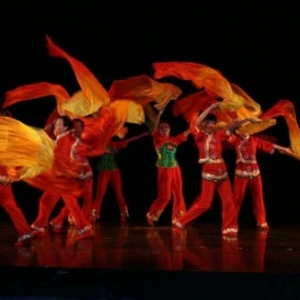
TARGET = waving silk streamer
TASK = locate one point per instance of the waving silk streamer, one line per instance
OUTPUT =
(151, 116)
(62, 178)
(26, 151)
(88, 100)
(250, 109)
(63, 175)
(202, 76)
(92, 95)
(107, 123)
(52, 182)
(128, 111)
(201, 100)
(285, 109)
(34, 91)
(143, 90)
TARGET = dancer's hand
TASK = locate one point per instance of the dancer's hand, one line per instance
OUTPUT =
(5, 180)
(287, 150)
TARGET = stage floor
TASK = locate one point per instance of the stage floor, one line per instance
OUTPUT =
(138, 262)
(200, 247)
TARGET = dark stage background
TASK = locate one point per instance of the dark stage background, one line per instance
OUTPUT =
(253, 44)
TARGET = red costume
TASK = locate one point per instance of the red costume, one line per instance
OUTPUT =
(247, 172)
(214, 177)
(169, 177)
(110, 173)
(87, 190)
(64, 143)
(8, 202)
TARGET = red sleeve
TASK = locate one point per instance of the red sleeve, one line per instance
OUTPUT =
(264, 145)
(3, 171)
(157, 139)
(119, 145)
(226, 135)
(63, 146)
(178, 139)
(232, 139)
(197, 135)
(51, 134)
(87, 169)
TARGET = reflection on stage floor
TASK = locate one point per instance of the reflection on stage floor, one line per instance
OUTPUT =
(200, 247)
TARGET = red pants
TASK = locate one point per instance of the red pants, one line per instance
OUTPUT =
(46, 205)
(104, 178)
(203, 202)
(255, 185)
(7, 200)
(169, 181)
(87, 197)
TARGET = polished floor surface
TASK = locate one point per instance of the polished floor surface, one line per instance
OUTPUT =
(200, 247)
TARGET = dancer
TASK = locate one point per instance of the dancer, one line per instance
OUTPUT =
(247, 173)
(169, 178)
(86, 180)
(8, 202)
(214, 172)
(64, 142)
(109, 173)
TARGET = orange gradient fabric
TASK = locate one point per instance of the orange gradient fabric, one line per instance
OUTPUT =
(25, 150)
(201, 76)
(143, 90)
(92, 95)
(285, 109)
(34, 91)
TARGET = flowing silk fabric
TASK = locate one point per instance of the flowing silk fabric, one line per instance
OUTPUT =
(201, 100)
(25, 150)
(92, 95)
(62, 178)
(34, 91)
(202, 76)
(143, 90)
(285, 109)
(109, 122)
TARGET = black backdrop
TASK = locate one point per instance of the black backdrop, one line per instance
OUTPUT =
(253, 45)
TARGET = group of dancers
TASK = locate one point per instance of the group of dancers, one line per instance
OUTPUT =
(55, 159)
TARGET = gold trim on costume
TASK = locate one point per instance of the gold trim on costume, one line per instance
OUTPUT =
(210, 161)
(125, 213)
(177, 224)
(213, 177)
(244, 161)
(240, 158)
(40, 229)
(24, 237)
(155, 217)
(83, 230)
(227, 230)
(241, 173)
(61, 135)
(73, 148)
(207, 158)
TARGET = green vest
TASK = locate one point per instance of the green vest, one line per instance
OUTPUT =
(107, 161)
(167, 155)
